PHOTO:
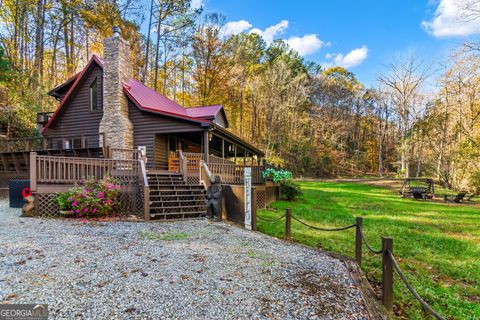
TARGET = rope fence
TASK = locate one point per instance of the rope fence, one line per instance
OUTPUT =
(389, 264)
(270, 220)
(366, 242)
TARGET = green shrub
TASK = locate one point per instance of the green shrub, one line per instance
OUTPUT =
(92, 198)
(289, 190)
(277, 175)
(474, 182)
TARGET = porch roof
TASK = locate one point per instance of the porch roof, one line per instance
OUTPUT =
(149, 100)
(238, 140)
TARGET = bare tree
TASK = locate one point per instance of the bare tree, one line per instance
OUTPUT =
(404, 81)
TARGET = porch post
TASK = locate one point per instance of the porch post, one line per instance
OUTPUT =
(235, 154)
(223, 148)
(244, 156)
(205, 145)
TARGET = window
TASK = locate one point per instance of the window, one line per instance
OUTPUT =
(94, 95)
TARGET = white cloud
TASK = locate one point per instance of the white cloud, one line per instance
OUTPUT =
(269, 33)
(306, 45)
(236, 27)
(196, 4)
(452, 20)
(351, 59)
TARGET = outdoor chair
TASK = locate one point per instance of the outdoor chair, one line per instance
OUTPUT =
(457, 199)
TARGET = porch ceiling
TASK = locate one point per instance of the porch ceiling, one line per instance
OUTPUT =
(223, 133)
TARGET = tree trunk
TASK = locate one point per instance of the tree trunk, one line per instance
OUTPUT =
(157, 50)
(147, 48)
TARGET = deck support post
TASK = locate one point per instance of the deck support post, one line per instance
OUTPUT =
(235, 154)
(205, 145)
(223, 148)
(146, 203)
(33, 171)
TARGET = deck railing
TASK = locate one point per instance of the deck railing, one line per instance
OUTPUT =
(124, 154)
(52, 143)
(74, 142)
(70, 170)
(21, 144)
(190, 163)
(193, 161)
(234, 173)
(215, 159)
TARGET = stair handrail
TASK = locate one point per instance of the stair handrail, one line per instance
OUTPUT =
(146, 188)
(143, 172)
(183, 164)
(205, 174)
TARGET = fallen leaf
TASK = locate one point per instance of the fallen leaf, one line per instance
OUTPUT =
(11, 296)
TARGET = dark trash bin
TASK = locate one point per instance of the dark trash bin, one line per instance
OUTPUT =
(16, 187)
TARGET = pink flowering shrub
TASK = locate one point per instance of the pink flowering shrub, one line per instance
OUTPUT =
(92, 198)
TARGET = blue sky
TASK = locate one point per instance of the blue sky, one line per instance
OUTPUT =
(363, 36)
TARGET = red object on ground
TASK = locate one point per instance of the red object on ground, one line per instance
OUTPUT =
(26, 192)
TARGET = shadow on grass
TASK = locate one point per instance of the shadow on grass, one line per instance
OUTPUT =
(438, 244)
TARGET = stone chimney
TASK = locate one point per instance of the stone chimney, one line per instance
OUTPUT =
(115, 124)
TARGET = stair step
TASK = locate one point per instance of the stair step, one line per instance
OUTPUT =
(166, 185)
(184, 192)
(199, 214)
(177, 192)
(177, 207)
(157, 200)
(172, 198)
(190, 193)
(176, 201)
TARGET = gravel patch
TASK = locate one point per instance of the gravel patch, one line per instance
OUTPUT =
(172, 270)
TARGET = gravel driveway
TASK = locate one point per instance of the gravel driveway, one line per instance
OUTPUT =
(173, 270)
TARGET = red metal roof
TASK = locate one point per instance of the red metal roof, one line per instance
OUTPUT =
(149, 100)
(204, 111)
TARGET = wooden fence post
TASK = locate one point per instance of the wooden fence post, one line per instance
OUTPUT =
(33, 171)
(387, 274)
(358, 240)
(288, 224)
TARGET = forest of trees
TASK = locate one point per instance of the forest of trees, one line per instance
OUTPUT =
(421, 118)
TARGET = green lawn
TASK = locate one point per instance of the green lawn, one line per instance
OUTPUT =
(436, 244)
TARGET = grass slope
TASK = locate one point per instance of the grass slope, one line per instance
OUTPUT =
(436, 244)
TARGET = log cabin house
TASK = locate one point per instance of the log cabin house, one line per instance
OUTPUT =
(164, 153)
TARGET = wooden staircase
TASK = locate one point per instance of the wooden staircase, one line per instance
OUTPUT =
(172, 198)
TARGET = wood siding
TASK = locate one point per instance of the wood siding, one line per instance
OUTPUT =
(75, 117)
(146, 125)
(221, 120)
